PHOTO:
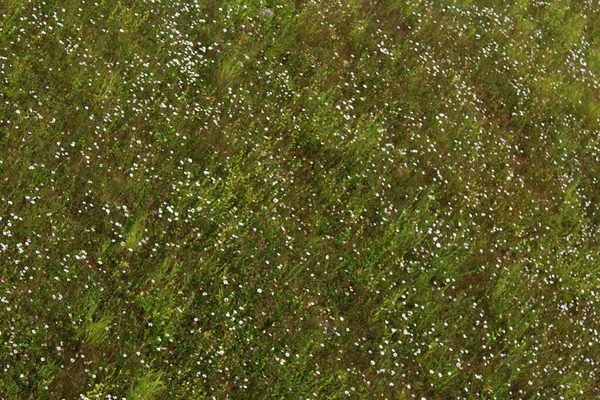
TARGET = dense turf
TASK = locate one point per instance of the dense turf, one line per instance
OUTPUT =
(309, 199)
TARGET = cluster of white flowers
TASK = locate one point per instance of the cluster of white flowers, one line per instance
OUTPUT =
(376, 199)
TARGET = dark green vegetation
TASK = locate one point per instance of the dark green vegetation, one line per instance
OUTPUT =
(325, 200)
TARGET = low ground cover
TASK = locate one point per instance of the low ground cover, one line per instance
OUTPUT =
(299, 199)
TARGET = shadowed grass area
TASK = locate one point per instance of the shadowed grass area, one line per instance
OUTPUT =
(299, 199)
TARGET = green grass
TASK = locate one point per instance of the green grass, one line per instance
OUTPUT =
(344, 199)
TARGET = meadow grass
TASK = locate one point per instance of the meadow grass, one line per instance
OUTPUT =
(332, 199)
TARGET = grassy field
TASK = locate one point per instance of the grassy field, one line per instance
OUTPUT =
(299, 199)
